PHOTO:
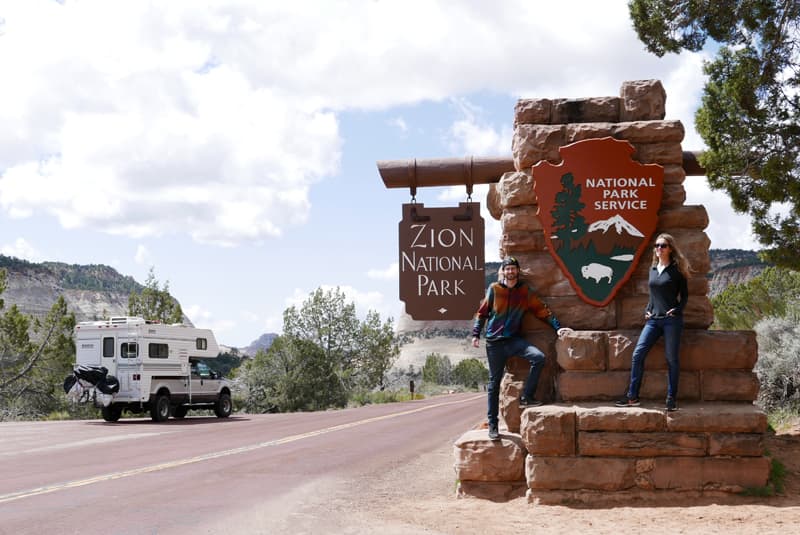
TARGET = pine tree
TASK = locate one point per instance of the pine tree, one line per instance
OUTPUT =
(750, 112)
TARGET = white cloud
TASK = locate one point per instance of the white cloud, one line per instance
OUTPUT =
(143, 256)
(390, 273)
(727, 229)
(203, 318)
(471, 134)
(364, 301)
(22, 249)
(399, 123)
(273, 324)
(687, 81)
(216, 122)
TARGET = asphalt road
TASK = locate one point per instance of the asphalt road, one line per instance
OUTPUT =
(182, 476)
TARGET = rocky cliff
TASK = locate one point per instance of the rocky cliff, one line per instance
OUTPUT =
(732, 266)
(91, 291)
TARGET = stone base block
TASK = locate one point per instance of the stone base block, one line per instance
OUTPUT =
(625, 498)
(491, 490)
(573, 473)
(726, 474)
(479, 459)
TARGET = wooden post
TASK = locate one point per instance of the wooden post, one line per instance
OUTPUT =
(469, 170)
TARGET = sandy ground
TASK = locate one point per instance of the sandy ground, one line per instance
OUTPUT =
(420, 498)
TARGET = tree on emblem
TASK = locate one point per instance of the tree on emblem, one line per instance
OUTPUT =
(568, 223)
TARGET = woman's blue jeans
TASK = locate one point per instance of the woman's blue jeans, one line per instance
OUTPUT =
(671, 328)
(498, 353)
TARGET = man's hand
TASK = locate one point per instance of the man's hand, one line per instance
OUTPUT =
(564, 331)
(475, 341)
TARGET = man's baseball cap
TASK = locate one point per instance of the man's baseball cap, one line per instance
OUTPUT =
(510, 261)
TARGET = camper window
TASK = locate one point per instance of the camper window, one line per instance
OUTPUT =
(108, 347)
(158, 351)
(129, 350)
(201, 343)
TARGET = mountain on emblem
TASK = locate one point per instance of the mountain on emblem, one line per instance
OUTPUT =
(598, 209)
(619, 224)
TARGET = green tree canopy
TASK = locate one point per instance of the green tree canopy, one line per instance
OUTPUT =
(155, 303)
(437, 369)
(325, 355)
(773, 293)
(750, 112)
(470, 372)
(292, 375)
(35, 356)
(360, 352)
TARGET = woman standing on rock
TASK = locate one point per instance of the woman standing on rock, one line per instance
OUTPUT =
(664, 316)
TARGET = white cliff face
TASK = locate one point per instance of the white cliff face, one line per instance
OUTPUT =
(35, 292)
(732, 266)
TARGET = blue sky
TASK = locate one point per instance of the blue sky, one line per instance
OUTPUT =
(232, 146)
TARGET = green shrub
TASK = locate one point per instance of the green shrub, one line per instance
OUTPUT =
(437, 369)
(778, 366)
(471, 373)
(358, 399)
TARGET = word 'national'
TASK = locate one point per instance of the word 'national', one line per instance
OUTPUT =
(645, 182)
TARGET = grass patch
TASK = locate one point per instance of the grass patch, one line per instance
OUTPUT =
(775, 483)
(359, 399)
(783, 419)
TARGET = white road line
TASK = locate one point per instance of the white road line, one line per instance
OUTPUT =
(81, 443)
(215, 455)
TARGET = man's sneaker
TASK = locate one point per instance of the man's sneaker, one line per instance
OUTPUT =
(525, 402)
(627, 402)
(671, 404)
(494, 434)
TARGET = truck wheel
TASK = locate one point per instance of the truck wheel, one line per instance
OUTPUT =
(112, 413)
(179, 412)
(223, 406)
(159, 410)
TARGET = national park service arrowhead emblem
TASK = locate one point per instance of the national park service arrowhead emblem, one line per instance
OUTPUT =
(599, 209)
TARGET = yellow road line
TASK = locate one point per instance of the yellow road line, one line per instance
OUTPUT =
(215, 455)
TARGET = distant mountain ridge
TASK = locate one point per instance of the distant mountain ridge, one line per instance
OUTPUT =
(97, 291)
(732, 266)
(92, 291)
(261, 343)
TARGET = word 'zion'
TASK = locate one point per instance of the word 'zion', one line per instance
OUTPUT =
(435, 240)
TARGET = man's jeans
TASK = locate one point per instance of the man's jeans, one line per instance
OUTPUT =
(670, 327)
(498, 354)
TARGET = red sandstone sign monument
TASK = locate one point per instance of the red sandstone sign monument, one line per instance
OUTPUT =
(599, 209)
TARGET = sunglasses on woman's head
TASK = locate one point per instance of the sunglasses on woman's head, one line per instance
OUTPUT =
(662, 245)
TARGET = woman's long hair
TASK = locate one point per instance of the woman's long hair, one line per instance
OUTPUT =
(675, 255)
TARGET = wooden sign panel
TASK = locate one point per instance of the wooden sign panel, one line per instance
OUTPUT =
(441, 261)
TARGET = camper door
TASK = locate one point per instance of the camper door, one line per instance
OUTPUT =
(129, 366)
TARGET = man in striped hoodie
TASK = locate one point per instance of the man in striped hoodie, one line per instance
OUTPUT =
(504, 306)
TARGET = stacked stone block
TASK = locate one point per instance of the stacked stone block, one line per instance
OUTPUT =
(582, 443)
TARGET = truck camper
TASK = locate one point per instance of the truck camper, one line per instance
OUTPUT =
(128, 363)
